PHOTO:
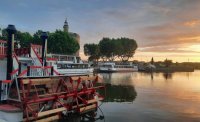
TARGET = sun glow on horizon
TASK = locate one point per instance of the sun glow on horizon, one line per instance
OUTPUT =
(174, 56)
(195, 48)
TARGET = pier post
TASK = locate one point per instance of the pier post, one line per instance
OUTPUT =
(10, 49)
(44, 37)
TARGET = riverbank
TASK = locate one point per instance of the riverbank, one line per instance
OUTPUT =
(163, 69)
(171, 69)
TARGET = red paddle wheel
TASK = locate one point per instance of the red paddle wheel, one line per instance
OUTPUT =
(47, 98)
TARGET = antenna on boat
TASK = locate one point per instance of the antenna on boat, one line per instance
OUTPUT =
(11, 30)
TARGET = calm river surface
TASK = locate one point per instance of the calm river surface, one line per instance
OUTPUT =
(157, 97)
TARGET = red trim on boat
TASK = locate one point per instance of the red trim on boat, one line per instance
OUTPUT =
(6, 81)
(9, 108)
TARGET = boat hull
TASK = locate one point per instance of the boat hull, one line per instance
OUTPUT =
(75, 71)
(118, 70)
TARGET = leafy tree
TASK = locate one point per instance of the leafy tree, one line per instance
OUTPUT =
(60, 42)
(36, 37)
(167, 62)
(126, 48)
(92, 50)
(24, 39)
(108, 48)
(104, 47)
(123, 48)
(4, 35)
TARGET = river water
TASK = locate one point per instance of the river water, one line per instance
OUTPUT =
(146, 97)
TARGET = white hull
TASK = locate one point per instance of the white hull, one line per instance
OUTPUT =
(75, 71)
(118, 69)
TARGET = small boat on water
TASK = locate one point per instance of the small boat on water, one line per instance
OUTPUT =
(113, 67)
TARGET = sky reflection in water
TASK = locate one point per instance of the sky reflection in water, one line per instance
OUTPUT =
(152, 97)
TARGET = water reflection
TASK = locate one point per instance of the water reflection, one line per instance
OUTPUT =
(152, 76)
(118, 78)
(157, 97)
(120, 93)
(167, 76)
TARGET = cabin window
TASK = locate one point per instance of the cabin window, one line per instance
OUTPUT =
(72, 66)
(108, 66)
(59, 66)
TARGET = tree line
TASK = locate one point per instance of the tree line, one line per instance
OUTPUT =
(111, 49)
(59, 42)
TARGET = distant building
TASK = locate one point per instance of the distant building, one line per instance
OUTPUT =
(74, 35)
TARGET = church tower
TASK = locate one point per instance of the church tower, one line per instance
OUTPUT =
(73, 35)
(65, 26)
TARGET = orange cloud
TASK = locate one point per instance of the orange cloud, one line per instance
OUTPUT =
(192, 23)
(197, 38)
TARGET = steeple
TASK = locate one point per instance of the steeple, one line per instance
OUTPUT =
(65, 27)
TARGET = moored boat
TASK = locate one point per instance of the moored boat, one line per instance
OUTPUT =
(113, 67)
(69, 64)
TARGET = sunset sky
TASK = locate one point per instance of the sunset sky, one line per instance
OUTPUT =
(162, 28)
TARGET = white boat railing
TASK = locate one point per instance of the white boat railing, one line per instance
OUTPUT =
(38, 71)
(2, 49)
(15, 62)
(6, 83)
(36, 54)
